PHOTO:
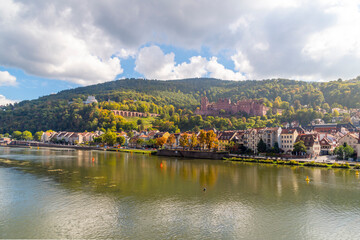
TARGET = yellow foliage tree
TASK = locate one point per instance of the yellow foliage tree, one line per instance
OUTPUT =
(202, 137)
(193, 141)
(184, 141)
(210, 138)
(161, 141)
(171, 140)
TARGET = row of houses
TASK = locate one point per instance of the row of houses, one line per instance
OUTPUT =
(69, 137)
(317, 142)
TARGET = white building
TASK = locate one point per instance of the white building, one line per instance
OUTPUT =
(268, 135)
(90, 99)
(287, 140)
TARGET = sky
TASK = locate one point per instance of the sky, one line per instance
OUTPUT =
(48, 45)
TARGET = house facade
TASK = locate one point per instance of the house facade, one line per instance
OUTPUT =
(269, 135)
(287, 140)
(311, 142)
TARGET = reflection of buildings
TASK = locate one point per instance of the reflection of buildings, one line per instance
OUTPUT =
(225, 106)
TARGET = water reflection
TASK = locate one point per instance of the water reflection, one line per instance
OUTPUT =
(87, 194)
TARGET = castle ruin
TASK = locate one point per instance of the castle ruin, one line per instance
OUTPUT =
(250, 106)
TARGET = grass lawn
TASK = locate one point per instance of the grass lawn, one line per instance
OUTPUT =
(147, 121)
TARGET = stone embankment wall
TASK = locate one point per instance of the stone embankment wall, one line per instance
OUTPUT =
(49, 145)
(192, 154)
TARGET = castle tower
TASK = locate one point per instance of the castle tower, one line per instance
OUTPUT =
(204, 103)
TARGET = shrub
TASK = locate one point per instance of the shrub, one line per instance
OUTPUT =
(314, 164)
(343, 165)
(293, 163)
(357, 166)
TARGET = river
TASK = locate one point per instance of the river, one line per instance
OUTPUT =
(52, 193)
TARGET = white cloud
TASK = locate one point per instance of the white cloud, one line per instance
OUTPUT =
(76, 42)
(342, 40)
(48, 45)
(4, 101)
(154, 64)
(6, 79)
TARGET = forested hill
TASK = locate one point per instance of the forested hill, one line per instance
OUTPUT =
(175, 100)
(187, 92)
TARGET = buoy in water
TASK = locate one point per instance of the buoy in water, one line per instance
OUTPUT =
(307, 179)
(161, 165)
(357, 173)
(93, 159)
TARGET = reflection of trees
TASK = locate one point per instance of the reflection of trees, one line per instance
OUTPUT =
(123, 173)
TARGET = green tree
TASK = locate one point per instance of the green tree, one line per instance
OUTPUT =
(299, 147)
(26, 135)
(276, 148)
(344, 151)
(297, 104)
(150, 143)
(16, 135)
(109, 137)
(120, 140)
(140, 142)
(38, 135)
(261, 146)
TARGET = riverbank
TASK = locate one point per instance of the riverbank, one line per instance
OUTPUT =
(296, 163)
(89, 148)
(49, 145)
(192, 154)
(137, 151)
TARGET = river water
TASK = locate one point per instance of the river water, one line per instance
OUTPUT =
(51, 193)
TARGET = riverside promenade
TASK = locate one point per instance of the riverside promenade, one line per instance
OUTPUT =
(329, 159)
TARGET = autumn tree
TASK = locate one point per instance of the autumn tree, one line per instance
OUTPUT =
(161, 141)
(193, 141)
(210, 138)
(171, 140)
(184, 140)
(202, 137)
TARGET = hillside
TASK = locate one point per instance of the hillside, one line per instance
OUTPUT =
(166, 98)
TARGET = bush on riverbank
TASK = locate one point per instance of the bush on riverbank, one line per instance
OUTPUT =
(343, 165)
(294, 163)
(139, 151)
(357, 166)
(315, 164)
(267, 161)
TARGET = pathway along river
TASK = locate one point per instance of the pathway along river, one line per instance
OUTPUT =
(49, 193)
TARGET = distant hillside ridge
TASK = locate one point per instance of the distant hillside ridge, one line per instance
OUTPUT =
(174, 100)
(345, 93)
